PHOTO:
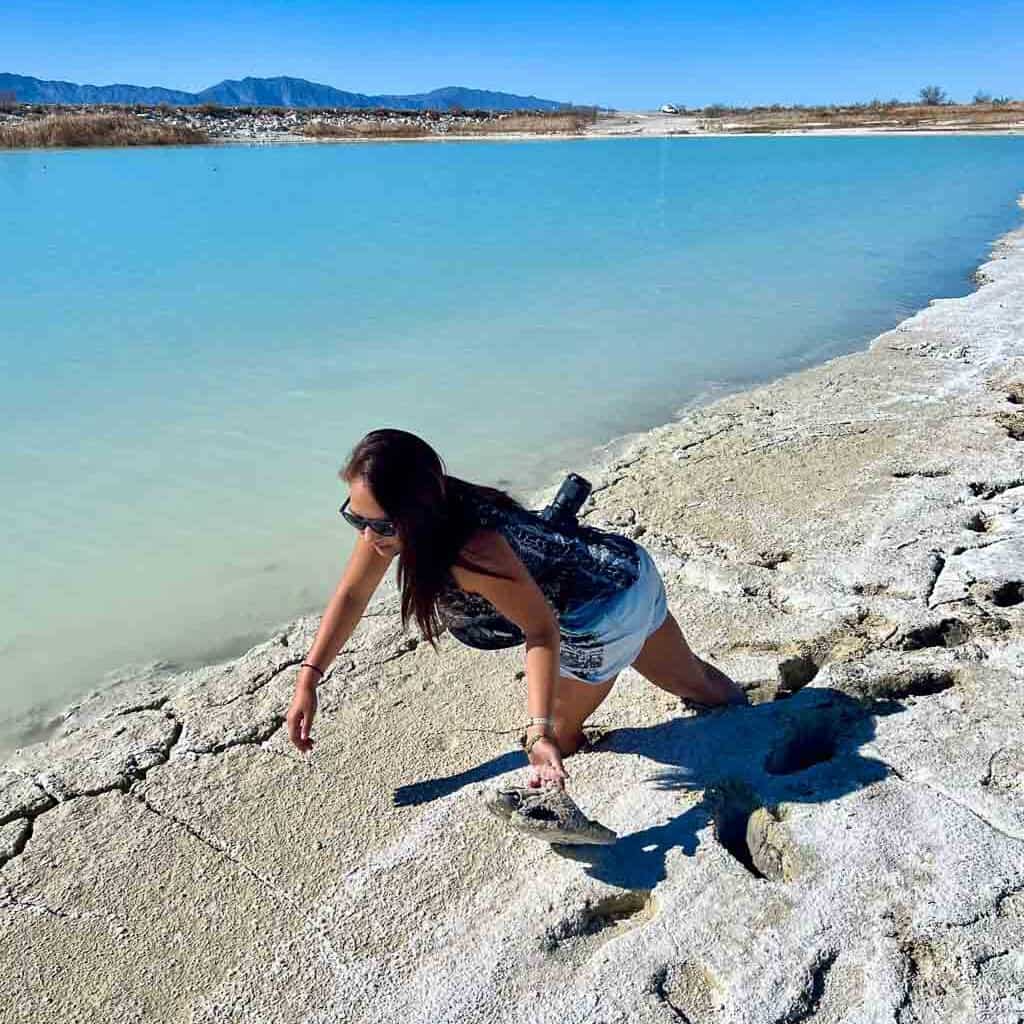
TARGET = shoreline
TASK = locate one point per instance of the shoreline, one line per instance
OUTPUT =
(267, 129)
(846, 541)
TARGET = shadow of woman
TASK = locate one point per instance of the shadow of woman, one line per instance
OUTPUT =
(804, 749)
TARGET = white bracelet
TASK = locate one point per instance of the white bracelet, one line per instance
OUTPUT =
(540, 720)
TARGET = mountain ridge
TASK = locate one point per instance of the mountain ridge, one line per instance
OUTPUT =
(280, 91)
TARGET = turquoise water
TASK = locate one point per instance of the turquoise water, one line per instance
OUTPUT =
(191, 340)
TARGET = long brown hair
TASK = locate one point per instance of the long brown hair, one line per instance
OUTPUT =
(429, 507)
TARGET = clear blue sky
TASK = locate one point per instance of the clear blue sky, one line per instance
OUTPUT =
(632, 56)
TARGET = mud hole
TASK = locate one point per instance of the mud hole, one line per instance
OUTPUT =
(733, 803)
(1008, 594)
(915, 683)
(805, 742)
(795, 673)
(753, 833)
(949, 632)
(978, 523)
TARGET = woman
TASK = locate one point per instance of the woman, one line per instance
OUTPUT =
(587, 603)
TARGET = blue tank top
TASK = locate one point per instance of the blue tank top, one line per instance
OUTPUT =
(570, 567)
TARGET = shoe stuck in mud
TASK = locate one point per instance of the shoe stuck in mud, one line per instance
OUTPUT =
(547, 813)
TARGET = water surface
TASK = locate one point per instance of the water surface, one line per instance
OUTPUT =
(191, 340)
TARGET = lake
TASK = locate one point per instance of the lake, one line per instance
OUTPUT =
(191, 341)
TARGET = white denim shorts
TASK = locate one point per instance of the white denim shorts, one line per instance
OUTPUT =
(600, 638)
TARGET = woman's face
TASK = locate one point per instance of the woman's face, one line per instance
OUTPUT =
(362, 503)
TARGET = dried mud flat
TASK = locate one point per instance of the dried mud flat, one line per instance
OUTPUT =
(848, 542)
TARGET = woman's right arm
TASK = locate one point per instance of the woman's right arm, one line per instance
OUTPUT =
(362, 576)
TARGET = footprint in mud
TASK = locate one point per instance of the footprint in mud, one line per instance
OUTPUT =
(689, 990)
(598, 921)
(1012, 423)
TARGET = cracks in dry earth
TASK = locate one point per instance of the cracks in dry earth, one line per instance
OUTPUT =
(153, 705)
(927, 474)
(133, 772)
(280, 894)
(961, 803)
(780, 442)
(259, 733)
(678, 452)
(10, 901)
(259, 681)
(407, 647)
(984, 959)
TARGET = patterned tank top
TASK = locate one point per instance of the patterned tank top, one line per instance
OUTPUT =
(569, 567)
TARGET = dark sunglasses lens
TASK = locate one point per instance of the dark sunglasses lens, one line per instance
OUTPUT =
(384, 529)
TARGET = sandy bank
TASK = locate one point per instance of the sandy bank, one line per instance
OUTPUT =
(848, 542)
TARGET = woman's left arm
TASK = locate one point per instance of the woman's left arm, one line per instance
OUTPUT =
(519, 599)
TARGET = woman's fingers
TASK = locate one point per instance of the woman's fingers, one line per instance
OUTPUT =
(300, 721)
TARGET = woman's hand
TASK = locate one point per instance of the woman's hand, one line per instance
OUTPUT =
(546, 763)
(300, 715)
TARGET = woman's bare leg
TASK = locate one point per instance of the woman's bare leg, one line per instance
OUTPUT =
(575, 702)
(667, 661)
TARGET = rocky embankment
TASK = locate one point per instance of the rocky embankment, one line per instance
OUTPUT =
(847, 542)
(256, 125)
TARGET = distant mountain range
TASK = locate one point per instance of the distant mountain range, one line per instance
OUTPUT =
(266, 92)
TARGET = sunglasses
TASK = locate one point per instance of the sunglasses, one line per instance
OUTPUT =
(382, 527)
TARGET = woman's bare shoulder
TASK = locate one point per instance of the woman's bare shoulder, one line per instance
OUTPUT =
(488, 549)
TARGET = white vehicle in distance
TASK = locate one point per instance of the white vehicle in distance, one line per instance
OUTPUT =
(668, 108)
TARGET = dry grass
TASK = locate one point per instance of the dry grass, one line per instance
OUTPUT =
(887, 115)
(75, 130)
(561, 122)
